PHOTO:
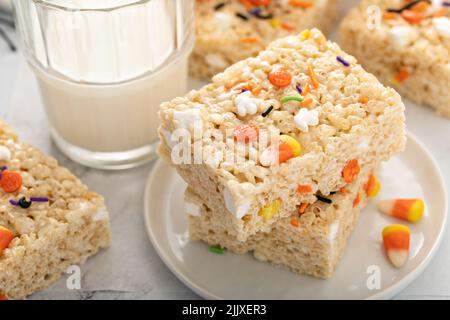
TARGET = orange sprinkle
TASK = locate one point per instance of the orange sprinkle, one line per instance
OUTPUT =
(247, 4)
(306, 102)
(351, 171)
(287, 27)
(256, 91)
(364, 100)
(343, 190)
(246, 133)
(313, 77)
(357, 200)
(280, 78)
(370, 184)
(249, 40)
(412, 17)
(302, 208)
(301, 4)
(6, 236)
(306, 90)
(3, 296)
(304, 188)
(440, 13)
(294, 222)
(401, 76)
(11, 181)
(389, 15)
(421, 7)
(259, 2)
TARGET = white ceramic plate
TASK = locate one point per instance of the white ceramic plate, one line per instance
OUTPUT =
(413, 173)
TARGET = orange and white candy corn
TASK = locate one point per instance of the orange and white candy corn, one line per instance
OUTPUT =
(372, 187)
(6, 237)
(407, 209)
(396, 244)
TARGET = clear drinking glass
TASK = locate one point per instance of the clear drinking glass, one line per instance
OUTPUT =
(103, 68)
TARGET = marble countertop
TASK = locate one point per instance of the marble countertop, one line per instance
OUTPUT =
(149, 278)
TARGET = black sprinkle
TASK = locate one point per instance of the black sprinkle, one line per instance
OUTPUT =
(23, 203)
(407, 6)
(333, 193)
(220, 6)
(323, 199)
(242, 16)
(266, 113)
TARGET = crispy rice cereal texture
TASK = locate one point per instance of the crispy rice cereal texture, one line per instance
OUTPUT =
(50, 236)
(414, 58)
(314, 247)
(351, 118)
(223, 38)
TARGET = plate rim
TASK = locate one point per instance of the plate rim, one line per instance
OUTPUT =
(383, 294)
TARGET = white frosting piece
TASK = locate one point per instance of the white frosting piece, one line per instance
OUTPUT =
(436, 4)
(5, 154)
(442, 26)
(306, 118)
(192, 209)
(245, 104)
(168, 137)
(334, 228)
(225, 19)
(100, 215)
(237, 211)
(216, 60)
(402, 36)
(188, 118)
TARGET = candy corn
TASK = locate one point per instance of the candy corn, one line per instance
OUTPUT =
(372, 187)
(270, 210)
(396, 244)
(6, 237)
(407, 209)
(288, 147)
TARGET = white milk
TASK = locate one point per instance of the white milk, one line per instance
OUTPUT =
(103, 74)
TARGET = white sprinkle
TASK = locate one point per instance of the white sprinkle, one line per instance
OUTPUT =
(402, 36)
(245, 104)
(442, 26)
(306, 118)
(5, 154)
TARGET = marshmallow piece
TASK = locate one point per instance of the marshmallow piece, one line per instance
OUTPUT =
(245, 104)
(334, 229)
(402, 36)
(101, 215)
(238, 211)
(306, 118)
(192, 209)
(442, 26)
(5, 154)
(188, 118)
(216, 60)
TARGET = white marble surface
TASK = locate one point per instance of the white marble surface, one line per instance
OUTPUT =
(134, 271)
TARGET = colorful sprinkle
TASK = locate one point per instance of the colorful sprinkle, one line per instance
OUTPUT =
(219, 6)
(299, 88)
(291, 98)
(351, 171)
(11, 181)
(343, 61)
(280, 78)
(6, 236)
(270, 210)
(39, 199)
(313, 77)
(304, 188)
(267, 112)
(302, 208)
(323, 199)
(294, 222)
(217, 249)
(406, 6)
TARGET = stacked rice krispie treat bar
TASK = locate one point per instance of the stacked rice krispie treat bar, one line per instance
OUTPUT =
(228, 31)
(276, 133)
(49, 220)
(406, 44)
(311, 242)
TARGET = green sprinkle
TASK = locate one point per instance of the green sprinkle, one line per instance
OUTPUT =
(291, 98)
(217, 249)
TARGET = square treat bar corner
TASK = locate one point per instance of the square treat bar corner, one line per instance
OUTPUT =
(49, 220)
(319, 109)
(311, 242)
(406, 44)
(229, 31)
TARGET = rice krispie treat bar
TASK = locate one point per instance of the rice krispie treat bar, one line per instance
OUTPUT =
(294, 123)
(311, 242)
(49, 220)
(408, 47)
(228, 31)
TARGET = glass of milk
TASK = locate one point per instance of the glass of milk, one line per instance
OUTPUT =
(103, 68)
